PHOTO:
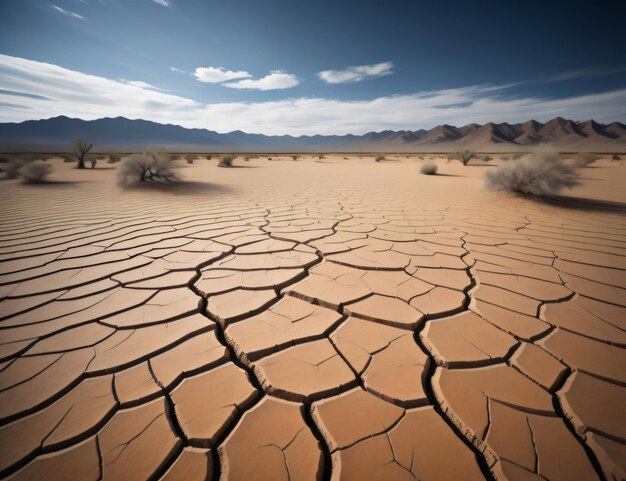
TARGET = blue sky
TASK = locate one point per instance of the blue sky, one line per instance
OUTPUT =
(306, 67)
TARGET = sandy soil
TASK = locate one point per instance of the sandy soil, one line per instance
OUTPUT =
(336, 319)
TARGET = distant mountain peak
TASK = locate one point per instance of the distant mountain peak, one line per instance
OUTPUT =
(55, 134)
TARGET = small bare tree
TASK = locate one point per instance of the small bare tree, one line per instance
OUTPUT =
(464, 156)
(80, 148)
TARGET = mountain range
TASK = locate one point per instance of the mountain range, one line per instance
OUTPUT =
(55, 135)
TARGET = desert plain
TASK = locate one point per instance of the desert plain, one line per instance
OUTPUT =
(317, 319)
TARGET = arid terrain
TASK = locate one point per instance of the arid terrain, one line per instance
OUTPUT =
(317, 319)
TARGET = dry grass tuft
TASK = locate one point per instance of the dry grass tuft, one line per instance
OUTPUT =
(428, 168)
(541, 174)
(35, 172)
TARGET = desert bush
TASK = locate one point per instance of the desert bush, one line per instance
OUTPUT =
(12, 167)
(616, 157)
(295, 157)
(541, 174)
(226, 161)
(463, 156)
(518, 155)
(80, 148)
(209, 157)
(93, 161)
(584, 160)
(246, 159)
(190, 158)
(114, 157)
(428, 168)
(35, 171)
(269, 158)
(421, 157)
(487, 158)
(379, 158)
(154, 165)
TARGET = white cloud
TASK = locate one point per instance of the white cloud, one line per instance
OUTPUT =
(67, 12)
(273, 81)
(140, 84)
(36, 90)
(213, 75)
(356, 74)
(174, 69)
(163, 3)
(584, 73)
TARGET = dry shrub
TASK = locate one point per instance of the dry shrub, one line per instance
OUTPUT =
(35, 171)
(226, 161)
(428, 168)
(379, 158)
(583, 160)
(190, 158)
(487, 158)
(615, 157)
(114, 157)
(11, 166)
(463, 156)
(541, 174)
(154, 165)
(295, 157)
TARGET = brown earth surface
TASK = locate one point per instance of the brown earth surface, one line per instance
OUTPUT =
(311, 320)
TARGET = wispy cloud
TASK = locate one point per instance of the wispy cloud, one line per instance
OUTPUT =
(214, 75)
(584, 73)
(140, 84)
(67, 12)
(72, 93)
(356, 74)
(275, 80)
(174, 69)
(163, 3)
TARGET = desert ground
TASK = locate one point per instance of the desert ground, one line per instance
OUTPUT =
(317, 319)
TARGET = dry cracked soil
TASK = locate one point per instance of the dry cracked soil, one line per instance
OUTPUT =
(312, 320)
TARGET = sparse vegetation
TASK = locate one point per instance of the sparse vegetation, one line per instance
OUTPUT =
(616, 157)
(209, 157)
(295, 157)
(113, 157)
(379, 158)
(190, 158)
(154, 165)
(463, 156)
(541, 174)
(428, 168)
(35, 171)
(226, 161)
(93, 161)
(12, 166)
(246, 159)
(487, 158)
(80, 148)
(583, 160)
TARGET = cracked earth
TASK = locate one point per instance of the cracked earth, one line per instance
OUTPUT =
(344, 320)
